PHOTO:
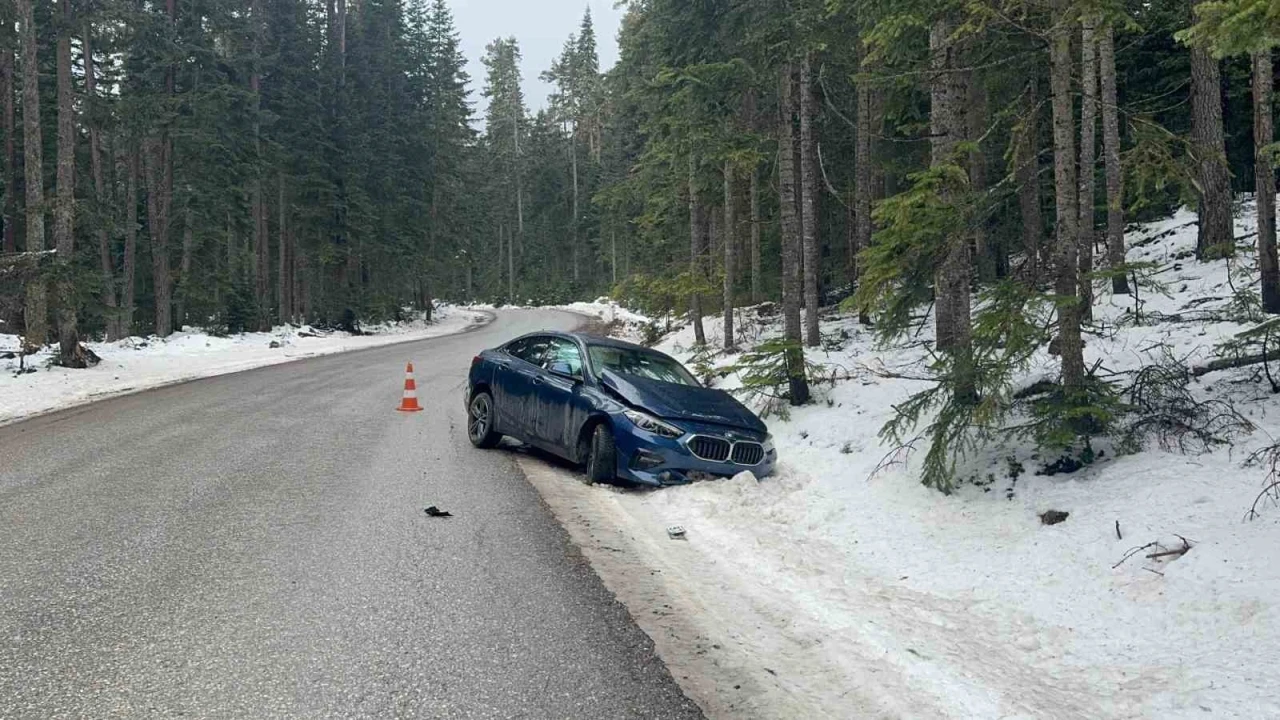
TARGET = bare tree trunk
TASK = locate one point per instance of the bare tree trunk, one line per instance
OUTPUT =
(283, 302)
(159, 178)
(1028, 179)
(695, 254)
(951, 281)
(37, 310)
(976, 120)
(258, 207)
(863, 182)
(791, 250)
(573, 162)
(184, 266)
(129, 271)
(808, 193)
(102, 203)
(11, 179)
(1265, 179)
(613, 255)
(511, 270)
(1111, 151)
(1216, 235)
(1088, 157)
(730, 248)
(1067, 195)
(64, 208)
(757, 293)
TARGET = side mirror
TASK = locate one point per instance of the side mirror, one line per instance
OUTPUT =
(563, 369)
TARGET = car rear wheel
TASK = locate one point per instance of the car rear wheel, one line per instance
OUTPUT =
(480, 422)
(602, 456)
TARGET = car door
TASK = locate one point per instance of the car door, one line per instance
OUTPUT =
(516, 400)
(559, 396)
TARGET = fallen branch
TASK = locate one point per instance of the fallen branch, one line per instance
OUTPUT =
(1236, 362)
(1132, 552)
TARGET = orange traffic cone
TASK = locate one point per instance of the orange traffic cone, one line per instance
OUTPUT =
(410, 401)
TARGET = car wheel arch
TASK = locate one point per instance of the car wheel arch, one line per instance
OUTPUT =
(583, 446)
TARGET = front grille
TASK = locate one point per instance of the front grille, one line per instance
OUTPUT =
(748, 453)
(709, 448)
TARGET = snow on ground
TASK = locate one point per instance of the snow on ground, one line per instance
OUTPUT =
(845, 588)
(615, 319)
(136, 363)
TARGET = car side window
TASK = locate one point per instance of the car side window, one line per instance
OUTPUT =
(564, 353)
(529, 350)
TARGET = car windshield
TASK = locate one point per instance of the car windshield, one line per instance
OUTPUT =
(640, 363)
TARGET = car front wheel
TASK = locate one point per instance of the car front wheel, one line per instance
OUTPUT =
(480, 422)
(602, 456)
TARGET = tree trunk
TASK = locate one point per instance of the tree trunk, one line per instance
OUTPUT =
(37, 310)
(159, 172)
(102, 203)
(64, 208)
(951, 281)
(791, 252)
(11, 179)
(613, 255)
(757, 293)
(283, 302)
(976, 122)
(129, 271)
(695, 255)
(258, 207)
(1111, 151)
(1066, 193)
(511, 269)
(1088, 157)
(808, 194)
(1216, 235)
(1265, 179)
(730, 248)
(1028, 179)
(184, 266)
(573, 163)
(863, 182)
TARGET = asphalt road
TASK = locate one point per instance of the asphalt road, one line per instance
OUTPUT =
(254, 545)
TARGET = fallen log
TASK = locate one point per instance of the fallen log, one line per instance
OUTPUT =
(1235, 362)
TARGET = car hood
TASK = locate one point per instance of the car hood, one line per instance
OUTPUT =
(682, 402)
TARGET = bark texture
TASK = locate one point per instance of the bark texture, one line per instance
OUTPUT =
(1265, 179)
(1088, 156)
(1216, 235)
(1028, 178)
(37, 309)
(64, 209)
(790, 221)
(696, 223)
(1111, 152)
(808, 204)
(1066, 193)
(947, 94)
(730, 249)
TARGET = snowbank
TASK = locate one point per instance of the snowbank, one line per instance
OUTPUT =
(967, 605)
(617, 320)
(136, 363)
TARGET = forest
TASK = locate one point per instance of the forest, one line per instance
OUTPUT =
(236, 164)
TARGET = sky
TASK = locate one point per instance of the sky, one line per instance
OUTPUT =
(541, 27)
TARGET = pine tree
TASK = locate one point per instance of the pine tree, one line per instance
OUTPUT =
(36, 316)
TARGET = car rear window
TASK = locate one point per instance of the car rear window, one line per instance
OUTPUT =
(640, 363)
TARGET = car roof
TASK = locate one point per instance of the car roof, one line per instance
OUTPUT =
(589, 339)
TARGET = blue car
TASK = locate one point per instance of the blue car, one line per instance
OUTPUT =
(622, 410)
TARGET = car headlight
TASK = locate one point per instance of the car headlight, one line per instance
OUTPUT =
(649, 423)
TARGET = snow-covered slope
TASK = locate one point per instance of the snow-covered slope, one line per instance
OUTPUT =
(969, 600)
(139, 363)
